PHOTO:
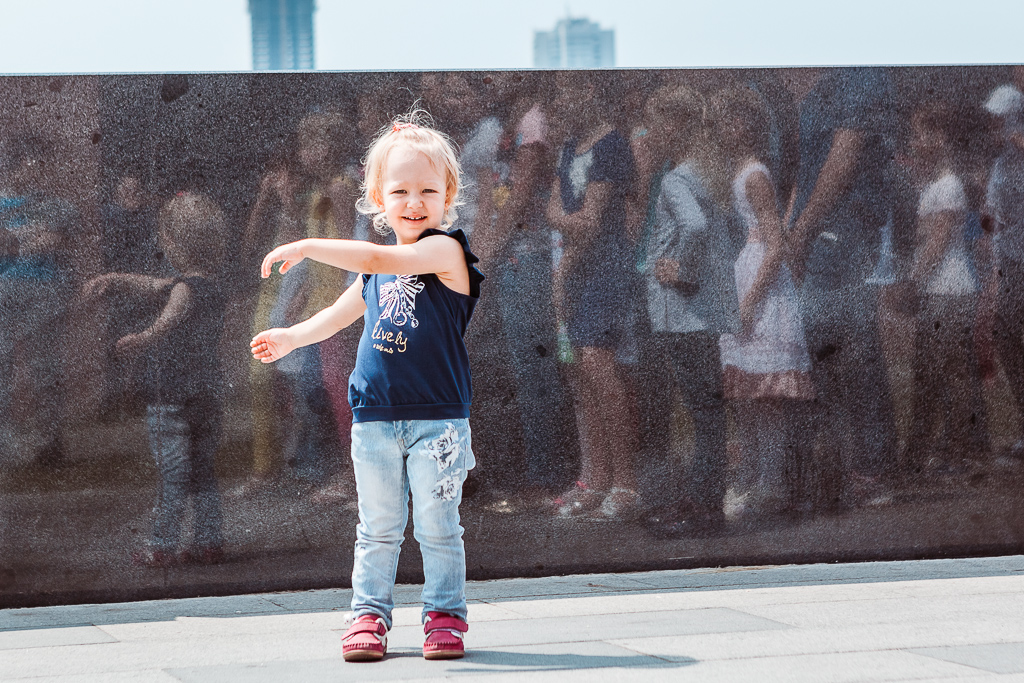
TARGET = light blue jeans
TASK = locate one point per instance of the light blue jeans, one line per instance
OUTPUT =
(183, 440)
(430, 459)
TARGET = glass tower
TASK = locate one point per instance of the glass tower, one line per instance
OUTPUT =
(576, 43)
(282, 34)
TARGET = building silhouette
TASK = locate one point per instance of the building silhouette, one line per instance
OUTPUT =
(282, 34)
(575, 43)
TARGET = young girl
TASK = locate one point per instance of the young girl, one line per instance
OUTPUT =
(183, 384)
(766, 366)
(410, 390)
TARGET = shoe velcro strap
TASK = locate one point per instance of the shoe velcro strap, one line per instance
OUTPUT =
(375, 627)
(446, 623)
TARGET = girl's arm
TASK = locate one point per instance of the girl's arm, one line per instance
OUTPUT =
(171, 315)
(434, 254)
(761, 194)
(834, 180)
(142, 284)
(277, 343)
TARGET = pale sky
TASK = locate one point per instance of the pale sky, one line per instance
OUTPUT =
(101, 36)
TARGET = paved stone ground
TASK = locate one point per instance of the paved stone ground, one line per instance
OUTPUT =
(879, 621)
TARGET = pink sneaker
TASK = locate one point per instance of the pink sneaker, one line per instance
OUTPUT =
(366, 640)
(444, 636)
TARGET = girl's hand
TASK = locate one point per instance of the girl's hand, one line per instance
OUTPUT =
(290, 253)
(131, 345)
(666, 271)
(271, 345)
(100, 285)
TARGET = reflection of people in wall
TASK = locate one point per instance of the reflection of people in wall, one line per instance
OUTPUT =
(183, 384)
(691, 300)
(947, 384)
(35, 278)
(518, 244)
(839, 206)
(593, 287)
(129, 245)
(129, 230)
(766, 365)
(308, 193)
(1004, 206)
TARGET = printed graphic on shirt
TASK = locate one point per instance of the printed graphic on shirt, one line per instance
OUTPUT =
(448, 488)
(445, 448)
(397, 302)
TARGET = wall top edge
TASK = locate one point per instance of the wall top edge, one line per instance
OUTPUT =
(498, 70)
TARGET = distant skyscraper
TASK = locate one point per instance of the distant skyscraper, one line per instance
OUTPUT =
(574, 44)
(282, 34)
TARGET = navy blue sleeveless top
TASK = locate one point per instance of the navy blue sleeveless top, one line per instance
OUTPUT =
(412, 362)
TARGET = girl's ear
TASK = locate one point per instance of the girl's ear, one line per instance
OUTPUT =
(377, 200)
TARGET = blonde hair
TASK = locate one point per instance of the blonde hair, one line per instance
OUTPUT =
(195, 228)
(414, 129)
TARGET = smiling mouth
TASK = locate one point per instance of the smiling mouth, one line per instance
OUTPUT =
(415, 218)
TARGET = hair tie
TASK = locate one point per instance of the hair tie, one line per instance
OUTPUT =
(400, 125)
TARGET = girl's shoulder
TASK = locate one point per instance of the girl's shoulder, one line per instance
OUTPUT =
(457, 234)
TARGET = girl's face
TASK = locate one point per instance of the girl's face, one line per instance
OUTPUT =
(413, 194)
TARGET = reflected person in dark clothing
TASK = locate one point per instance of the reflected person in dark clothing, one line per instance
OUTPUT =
(518, 244)
(129, 245)
(691, 302)
(129, 231)
(839, 205)
(594, 285)
(1004, 208)
(36, 230)
(183, 387)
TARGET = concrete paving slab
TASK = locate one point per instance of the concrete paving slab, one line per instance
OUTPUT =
(860, 572)
(906, 610)
(580, 628)
(149, 610)
(25, 639)
(1000, 658)
(834, 668)
(219, 627)
(145, 676)
(607, 626)
(406, 666)
(518, 589)
(314, 600)
(840, 639)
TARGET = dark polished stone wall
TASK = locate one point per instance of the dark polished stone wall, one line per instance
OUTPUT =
(785, 325)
